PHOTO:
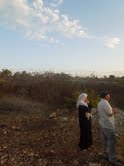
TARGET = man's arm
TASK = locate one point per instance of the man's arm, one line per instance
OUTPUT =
(109, 110)
(114, 111)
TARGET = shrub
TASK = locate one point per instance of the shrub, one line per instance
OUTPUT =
(93, 97)
(59, 88)
(70, 102)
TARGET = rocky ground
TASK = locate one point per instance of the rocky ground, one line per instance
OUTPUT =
(31, 140)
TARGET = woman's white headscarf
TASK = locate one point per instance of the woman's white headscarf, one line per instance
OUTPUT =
(81, 100)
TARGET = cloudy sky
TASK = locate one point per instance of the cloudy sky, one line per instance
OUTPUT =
(73, 36)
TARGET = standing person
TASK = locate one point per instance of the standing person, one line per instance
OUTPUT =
(107, 124)
(84, 110)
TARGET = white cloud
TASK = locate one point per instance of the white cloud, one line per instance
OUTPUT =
(70, 28)
(112, 42)
(55, 3)
(14, 13)
(39, 19)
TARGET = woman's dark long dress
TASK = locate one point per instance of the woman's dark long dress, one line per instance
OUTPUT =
(85, 128)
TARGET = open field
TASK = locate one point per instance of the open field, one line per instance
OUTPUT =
(37, 138)
(39, 121)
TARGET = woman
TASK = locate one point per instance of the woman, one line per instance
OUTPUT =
(84, 109)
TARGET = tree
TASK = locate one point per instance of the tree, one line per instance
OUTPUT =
(6, 73)
(111, 76)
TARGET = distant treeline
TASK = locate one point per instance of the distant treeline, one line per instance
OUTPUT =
(59, 88)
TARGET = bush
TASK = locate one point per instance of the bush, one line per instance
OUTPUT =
(59, 89)
(70, 102)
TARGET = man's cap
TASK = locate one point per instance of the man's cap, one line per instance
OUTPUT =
(104, 93)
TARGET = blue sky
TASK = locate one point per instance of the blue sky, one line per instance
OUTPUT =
(72, 36)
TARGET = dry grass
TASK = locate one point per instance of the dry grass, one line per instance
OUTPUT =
(13, 106)
(58, 89)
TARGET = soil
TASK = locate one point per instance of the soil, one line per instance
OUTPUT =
(31, 140)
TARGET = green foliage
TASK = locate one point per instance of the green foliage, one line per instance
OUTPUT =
(93, 97)
(70, 102)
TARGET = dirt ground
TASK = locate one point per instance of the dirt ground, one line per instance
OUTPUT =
(32, 140)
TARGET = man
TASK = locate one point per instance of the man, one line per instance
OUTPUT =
(107, 123)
